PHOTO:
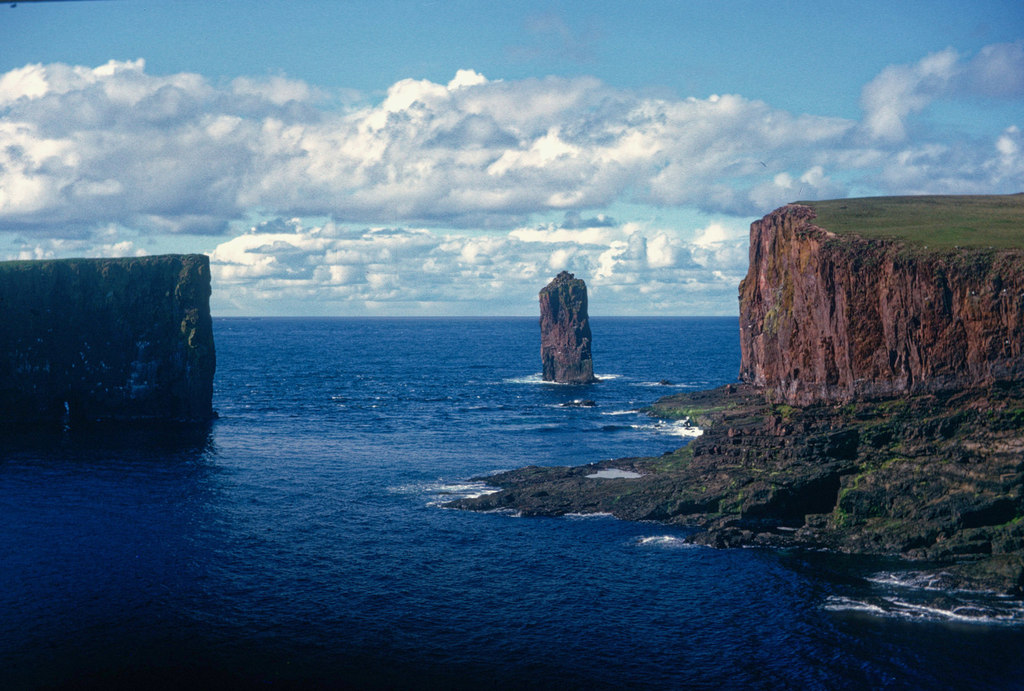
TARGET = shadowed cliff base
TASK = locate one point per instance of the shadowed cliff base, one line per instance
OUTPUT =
(882, 412)
(106, 340)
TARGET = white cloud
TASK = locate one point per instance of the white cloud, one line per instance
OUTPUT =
(997, 70)
(901, 90)
(80, 147)
(332, 269)
(904, 90)
(84, 149)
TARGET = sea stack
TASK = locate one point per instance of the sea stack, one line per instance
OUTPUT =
(565, 331)
(105, 340)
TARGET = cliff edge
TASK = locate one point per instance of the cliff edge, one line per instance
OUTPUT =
(86, 340)
(830, 317)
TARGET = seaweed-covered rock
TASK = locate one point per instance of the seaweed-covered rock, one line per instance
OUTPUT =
(931, 477)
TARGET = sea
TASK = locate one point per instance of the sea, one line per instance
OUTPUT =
(302, 539)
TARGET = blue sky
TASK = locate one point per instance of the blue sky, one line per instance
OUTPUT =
(448, 158)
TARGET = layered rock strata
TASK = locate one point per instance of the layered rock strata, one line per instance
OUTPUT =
(827, 318)
(87, 340)
(565, 331)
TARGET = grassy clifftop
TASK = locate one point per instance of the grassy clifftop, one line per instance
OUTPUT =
(943, 222)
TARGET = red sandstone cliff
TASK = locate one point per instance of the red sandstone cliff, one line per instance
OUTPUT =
(565, 331)
(828, 318)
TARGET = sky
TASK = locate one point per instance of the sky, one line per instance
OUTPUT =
(430, 158)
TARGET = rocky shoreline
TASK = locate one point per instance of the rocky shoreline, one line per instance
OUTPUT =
(933, 479)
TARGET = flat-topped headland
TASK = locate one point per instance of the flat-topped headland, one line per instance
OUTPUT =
(105, 340)
(880, 407)
(867, 298)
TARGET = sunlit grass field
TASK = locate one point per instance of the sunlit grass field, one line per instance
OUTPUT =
(995, 221)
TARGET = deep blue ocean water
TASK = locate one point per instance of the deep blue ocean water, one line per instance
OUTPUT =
(300, 541)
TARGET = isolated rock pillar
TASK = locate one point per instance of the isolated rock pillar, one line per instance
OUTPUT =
(565, 331)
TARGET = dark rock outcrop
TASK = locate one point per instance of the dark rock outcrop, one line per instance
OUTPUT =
(827, 318)
(938, 478)
(86, 340)
(565, 331)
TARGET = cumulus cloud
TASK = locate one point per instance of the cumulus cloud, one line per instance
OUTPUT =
(81, 147)
(904, 90)
(459, 172)
(335, 269)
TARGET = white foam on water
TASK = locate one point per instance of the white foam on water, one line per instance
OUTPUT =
(538, 378)
(666, 542)
(614, 473)
(441, 493)
(680, 428)
(596, 514)
(838, 603)
(511, 513)
(671, 385)
(922, 596)
(911, 579)
(620, 412)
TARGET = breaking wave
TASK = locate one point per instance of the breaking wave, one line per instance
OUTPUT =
(666, 542)
(440, 493)
(927, 597)
(679, 428)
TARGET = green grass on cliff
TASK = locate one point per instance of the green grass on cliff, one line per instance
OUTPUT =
(936, 221)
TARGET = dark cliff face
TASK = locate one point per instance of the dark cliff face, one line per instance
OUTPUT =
(833, 318)
(106, 340)
(565, 331)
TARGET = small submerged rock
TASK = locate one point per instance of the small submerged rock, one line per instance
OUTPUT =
(578, 403)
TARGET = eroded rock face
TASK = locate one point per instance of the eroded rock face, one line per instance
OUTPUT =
(106, 340)
(828, 318)
(565, 331)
